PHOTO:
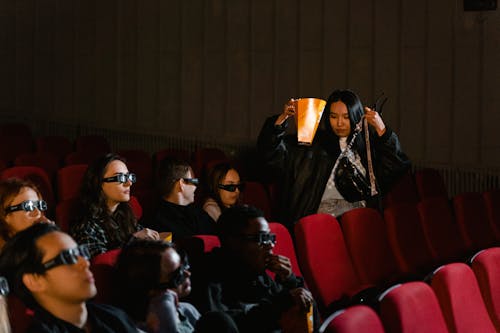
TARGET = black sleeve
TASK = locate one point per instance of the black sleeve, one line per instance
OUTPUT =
(271, 144)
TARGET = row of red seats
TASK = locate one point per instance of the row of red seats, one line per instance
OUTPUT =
(459, 299)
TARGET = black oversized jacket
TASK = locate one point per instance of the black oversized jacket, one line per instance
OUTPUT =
(305, 169)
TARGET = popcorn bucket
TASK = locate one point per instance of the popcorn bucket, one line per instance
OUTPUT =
(308, 113)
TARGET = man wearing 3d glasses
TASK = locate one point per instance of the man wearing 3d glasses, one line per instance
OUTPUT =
(50, 273)
(175, 212)
(233, 278)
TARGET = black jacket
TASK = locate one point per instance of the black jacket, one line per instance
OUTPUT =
(305, 169)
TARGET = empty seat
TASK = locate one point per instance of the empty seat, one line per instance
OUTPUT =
(357, 318)
(407, 239)
(441, 229)
(56, 145)
(255, 194)
(411, 307)
(430, 183)
(404, 191)
(47, 162)
(102, 267)
(66, 213)
(284, 245)
(325, 262)
(69, 180)
(460, 299)
(492, 203)
(366, 239)
(472, 219)
(486, 267)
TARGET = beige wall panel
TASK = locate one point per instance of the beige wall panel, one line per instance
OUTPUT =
(438, 110)
(63, 61)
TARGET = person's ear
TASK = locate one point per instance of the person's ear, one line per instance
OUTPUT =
(181, 185)
(34, 282)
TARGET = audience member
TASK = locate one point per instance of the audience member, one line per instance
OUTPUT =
(164, 279)
(223, 189)
(233, 278)
(21, 205)
(4, 314)
(50, 273)
(309, 171)
(106, 220)
(176, 212)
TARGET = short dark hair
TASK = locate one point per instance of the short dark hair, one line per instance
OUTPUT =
(137, 272)
(22, 256)
(171, 170)
(234, 219)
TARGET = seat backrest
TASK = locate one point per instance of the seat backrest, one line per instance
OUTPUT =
(441, 229)
(472, 219)
(407, 239)
(136, 207)
(255, 194)
(430, 183)
(93, 145)
(13, 145)
(404, 191)
(141, 163)
(69, 181)
(197, 246)
(460, 299)
(324, 260)
(492, 203)
(486, 267)
(47, 162)
(284, 245)
(102, 267)
(366, 239)
(20, 316)
(59, 146)
(66, 211)
(411, 307)
(357, 318)
(204, 155)
(39, 177)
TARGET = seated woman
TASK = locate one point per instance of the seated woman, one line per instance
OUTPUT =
(105, 220)
(21, 206)
(154, 276)
(224, 188)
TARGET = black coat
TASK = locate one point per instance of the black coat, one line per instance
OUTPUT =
(305, 169)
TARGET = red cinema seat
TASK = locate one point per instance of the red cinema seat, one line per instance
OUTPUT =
(357, 318)
(69, 181)
(284, 245)
(430, 183)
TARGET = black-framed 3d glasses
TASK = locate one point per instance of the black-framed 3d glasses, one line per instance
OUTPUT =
(121, 178)
(68, 257)
(178, 276)
(232, 187)
(4, 286)
(28, 206)
(262, 238)
(192, 181)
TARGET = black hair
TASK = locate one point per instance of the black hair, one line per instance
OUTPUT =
(214, 178)
(170, 171)
(234, 219)
(22, 256)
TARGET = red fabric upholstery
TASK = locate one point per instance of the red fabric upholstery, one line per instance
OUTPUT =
(460, 299)
(472, 219)
(69, 180)
(430, 184)
(47, 162)
(284, 245)
(39, 177)
(412, 307)
(92, 145)
(407, 239)
(136, 207)
(140, 163)
(255, 194)
(58, 146)
(366, 240)
(324, 260)
(441, 229)
(13, 145)
(204, 155)
(486, 267)
(77, 157)
(492, 203)
(66, 211)
(20, 316)
(357, 318)
(404, 191)
(102, 267)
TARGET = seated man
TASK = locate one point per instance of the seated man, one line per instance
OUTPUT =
(50, 273)
(176, 212)
(233, 278)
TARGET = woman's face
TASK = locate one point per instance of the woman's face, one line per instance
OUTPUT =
(116, 192)
(339, 119)
(21, 219)
(228, 198)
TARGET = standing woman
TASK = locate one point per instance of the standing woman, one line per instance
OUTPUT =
(308, 171)
(21, 206)
(105, 220)
(224, 188)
